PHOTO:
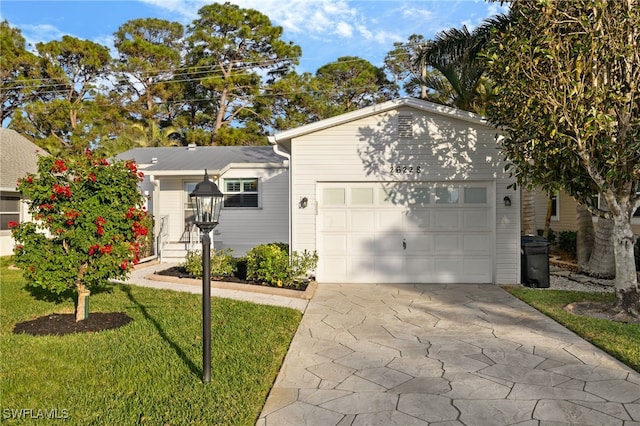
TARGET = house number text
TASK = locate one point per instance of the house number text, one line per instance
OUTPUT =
(406, 169)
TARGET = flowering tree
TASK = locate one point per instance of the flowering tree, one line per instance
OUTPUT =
(90, 225)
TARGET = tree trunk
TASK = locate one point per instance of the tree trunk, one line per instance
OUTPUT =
(585, 236)
(82, 305)
(547, 217)
(602, 263)
(627, 296)
(528, 212)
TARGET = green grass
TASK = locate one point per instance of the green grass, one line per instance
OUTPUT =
(618, 339)
(149, 371)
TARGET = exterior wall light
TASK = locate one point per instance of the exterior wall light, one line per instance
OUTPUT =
(507, 201)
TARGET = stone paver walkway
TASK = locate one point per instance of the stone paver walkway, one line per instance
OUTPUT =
(445, 355)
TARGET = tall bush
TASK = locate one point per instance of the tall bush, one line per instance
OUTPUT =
(268, 263)
(271, 264)
(90, 225)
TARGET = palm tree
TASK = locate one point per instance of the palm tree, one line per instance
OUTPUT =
(457, 55)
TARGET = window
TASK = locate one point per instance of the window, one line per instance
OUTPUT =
(334, 197)
(475, 195)
(362, 196)
(241, 192)
(446, 195)
(9, 210)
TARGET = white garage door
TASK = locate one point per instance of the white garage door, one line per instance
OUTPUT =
(405, 232)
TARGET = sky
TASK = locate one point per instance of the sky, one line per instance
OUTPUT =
(324, 29)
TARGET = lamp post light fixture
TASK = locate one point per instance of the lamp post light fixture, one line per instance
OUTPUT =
(208, 201)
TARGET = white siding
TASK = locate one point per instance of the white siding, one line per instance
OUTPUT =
(244, 228)
(367, 149)
(239, 228)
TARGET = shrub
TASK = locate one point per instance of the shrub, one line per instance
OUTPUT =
(567, 240)
(302, 264)
(222, 263)
(270, 263)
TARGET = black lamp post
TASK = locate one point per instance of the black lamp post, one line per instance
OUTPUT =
(208, 200)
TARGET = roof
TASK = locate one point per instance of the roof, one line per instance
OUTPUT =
(284, 138)
(188, 160)
(18, 157)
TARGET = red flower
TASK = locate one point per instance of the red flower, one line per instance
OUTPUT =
(45, 206)
(100, 220)
(72, 214)
(94, 249)
(91, 177)
(132, 167)
(106, 249)
(69, 222)
(13, 224)
(59, 166)
(100, 230)
(124, 265)
(139, 230)
(61, 190)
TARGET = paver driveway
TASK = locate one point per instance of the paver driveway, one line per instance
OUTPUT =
(443, 354)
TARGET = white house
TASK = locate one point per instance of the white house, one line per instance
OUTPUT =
(18, 157)
(254, 181)
(405, 191)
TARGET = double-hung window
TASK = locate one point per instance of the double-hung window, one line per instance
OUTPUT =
(241, 192)
(9, 209)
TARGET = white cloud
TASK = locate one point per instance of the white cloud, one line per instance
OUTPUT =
(40, 33)
(314, 18)
(344, 30)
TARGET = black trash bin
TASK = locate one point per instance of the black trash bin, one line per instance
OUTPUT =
(535, 261)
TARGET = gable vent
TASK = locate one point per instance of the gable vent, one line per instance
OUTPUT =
(405, 126)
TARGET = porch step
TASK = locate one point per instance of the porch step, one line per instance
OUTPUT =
(174, 252)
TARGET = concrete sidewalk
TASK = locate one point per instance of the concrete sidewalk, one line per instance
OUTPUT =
(446, 355)
(139, 276)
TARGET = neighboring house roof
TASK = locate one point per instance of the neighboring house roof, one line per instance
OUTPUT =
(284, 138)
(194, 159)
(18, 157)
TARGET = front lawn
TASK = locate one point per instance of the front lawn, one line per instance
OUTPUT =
(147, 372)
(618, 339)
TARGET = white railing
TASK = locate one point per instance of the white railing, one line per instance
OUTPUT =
(194, 238)
(162, 236)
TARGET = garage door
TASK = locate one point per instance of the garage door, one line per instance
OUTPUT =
(405, 232)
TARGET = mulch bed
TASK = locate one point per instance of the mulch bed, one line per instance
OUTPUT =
(180, 272)
(62, 324)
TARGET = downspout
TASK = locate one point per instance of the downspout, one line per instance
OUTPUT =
(156, 210)
(278, 151)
